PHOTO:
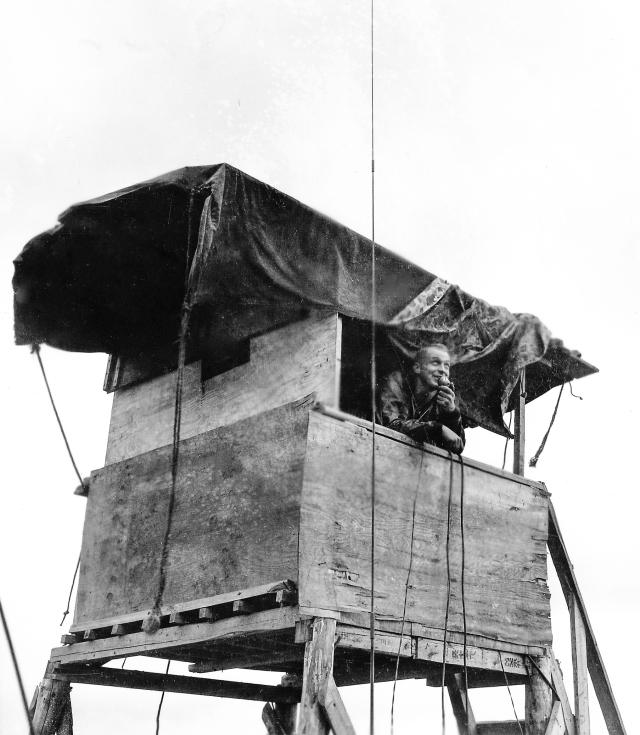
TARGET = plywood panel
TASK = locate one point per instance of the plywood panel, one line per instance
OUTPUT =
(505, 529)
(285, 365)
(235, 521)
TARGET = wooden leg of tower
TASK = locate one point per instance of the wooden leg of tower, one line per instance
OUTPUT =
(580, 671)
(287, 714)
(538, 697)
(53, 708)
(460, 705)
(318, 670)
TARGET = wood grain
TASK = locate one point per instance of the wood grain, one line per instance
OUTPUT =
(285, 365)
(505, 527)
(235, 519)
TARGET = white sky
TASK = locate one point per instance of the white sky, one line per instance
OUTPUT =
(507, 161)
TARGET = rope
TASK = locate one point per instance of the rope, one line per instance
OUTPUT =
(513, 706)
(406, 588)
(152, 621)
(161, 700)
(372, 619)
(446, 613)
(534, 460)
(506, 444)
(73, 584)
(16, 668)
(35, 349)
(575, 395)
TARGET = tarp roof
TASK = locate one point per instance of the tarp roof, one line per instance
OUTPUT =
(111, 277)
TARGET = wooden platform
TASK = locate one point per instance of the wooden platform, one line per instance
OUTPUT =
(273, 639)
(285, 496)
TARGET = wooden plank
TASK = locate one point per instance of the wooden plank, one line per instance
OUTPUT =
(318, 667)
(507, 597)
(132, 679)
(556, 724)
(104, 649)
(428, 448)
(419, 630)
(286, 364)
(519, 424)
(234, 526)
(461, 706)
(429, 650)
(538, 698)
(558, 684)
(580, 671)
(595, 663)
(334, 709)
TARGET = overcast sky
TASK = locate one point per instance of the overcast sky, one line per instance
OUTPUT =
(507, 160)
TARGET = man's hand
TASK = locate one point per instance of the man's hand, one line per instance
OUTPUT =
(446, 399)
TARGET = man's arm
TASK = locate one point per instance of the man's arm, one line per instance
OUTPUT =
(449, 415)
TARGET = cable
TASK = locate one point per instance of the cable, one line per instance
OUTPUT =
(161, 700)
(16, 668)
(406, 588)
(35, 349)
(510, 696)
(446, 613)
(73, 584)
(372, 619)
(152, 621)
(464, 607)
(506, 444)
(534, 460)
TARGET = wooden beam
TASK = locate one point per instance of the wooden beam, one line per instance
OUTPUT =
(334, 709)
(595, 664)
(141, 644)
(501, 727)
(271, 721)
(558, 684)
(211, 602)
(538, 697)
(132, 679)
(580, 671)
(519, 424)
(556, 721)
(318, 667)
(52, 701)
(461, 706)
(246, 660)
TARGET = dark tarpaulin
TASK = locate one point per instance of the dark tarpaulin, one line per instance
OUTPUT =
(111, 277)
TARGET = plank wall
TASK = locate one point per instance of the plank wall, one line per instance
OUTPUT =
(235, 519)
(505, 531)
(285, 365)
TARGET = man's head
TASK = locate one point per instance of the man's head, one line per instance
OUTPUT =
(431, 364)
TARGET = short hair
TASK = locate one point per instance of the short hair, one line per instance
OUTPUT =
(424, 348)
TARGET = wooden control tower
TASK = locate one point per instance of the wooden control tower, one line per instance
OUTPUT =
(267, 563)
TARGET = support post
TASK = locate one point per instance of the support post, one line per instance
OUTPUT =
(318, 668)
(519, 424)
(538, 700)
(53, 707)
(580, 672)
(461, 706)
(287, 714)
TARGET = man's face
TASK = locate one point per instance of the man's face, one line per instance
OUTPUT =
(432, 364)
